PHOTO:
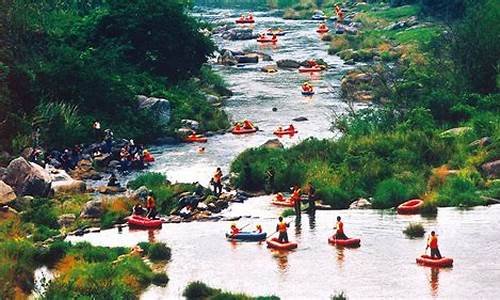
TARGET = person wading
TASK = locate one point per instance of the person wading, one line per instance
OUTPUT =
(311, 196)
(296, 200)
(217, 182)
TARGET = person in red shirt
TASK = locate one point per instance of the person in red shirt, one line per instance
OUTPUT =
(151, 206)
(258, 228)
(432, 242)
(296, 200)
(339, 227)
(234, 230)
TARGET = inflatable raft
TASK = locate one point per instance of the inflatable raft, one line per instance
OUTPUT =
(410, 207)
(275, 244)
(443, 262)
(347, 243)
(140, 221)
(247, 236)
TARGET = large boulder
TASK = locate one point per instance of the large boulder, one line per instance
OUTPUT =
(454, 132)
(27, 178)
(84, 170)
(492, 169)
(403, 23)
(194, 125)
(273, 144)
(247, 59)
(139, 194)
(7, 194)
(110, 190)
(63, 183)
(288, 64)
(92, 209)
(66, 220)
(361, 203)
(159, 107)
(227, 58)
(102, 161)
(239, 34)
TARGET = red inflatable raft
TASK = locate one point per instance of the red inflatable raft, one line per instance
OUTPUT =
(266, 40)
(139, 221)
(195, 139)
(286, 131)
(245, 21)
(411, 207)
(347, 243)
(442, 262)
(324, 30)
(243, 131)
(286, 203)
(309, 69)
(275, 244)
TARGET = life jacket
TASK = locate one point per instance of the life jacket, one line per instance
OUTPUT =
(235, 230)
(282, 227)
(280, 197)
(150, 203)
(238, 126)
(218, 177)
(296, 195)
(340, 227)
(433, 242)
(247, 125)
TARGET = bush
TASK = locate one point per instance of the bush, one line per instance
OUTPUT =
(339, 296)
(41, 212)
(198, 290)
(414, 230)
(334, 196)
(458, 191)
(389, 193)
(148, 179)
(159, 251)
(160, 279)
(288, 212)
(429, 208)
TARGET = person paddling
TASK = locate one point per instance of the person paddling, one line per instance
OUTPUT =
(281, 228)
(258, 228)
(339, 234)
(432, 242)
(234, 230)
(151, 206)
(296, 200)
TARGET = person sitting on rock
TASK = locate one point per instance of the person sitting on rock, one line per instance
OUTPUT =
(339, 227)
(113, 181)
(151, 206)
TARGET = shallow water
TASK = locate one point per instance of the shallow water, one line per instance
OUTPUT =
(383, 267)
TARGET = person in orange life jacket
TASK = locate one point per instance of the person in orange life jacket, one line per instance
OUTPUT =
(312, 63)
(322, 26)
(281, 229)
(274, 37)
(258, 228)
(247, 124)
(151, 206)
(237, 126)
(339, 227)
(291, 128)
(217, 182)
(296, 200)
(307, 87)
(234, 230)
(279, 197)
(432, 242)
(250, 17)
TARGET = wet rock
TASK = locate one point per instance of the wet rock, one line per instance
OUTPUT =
(192, 124)
(269, 69)
(157, 107)
(300, 119)
(239, 34)
(66, 220)
(213, 208)
(247, 59)
(221, 204)
(114, 164)
(273, 144)
(102, 161)
(361, 203)
(63, 183)
(403, 23)
(492, 169)
(288, 64)
(92, 209)
(84, 171)
(350, 62)
(7, 194)
(110, 190)
(227, 197)
(212, 99)
(485, 141)
(227, 58)
(27, 178)
(202, 206)
(140, 194)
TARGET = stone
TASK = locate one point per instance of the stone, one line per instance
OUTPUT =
(221, 204)
(300, 119)
(84, 171)
(192, 124)
(202, 206)
(403, 23)
(492, 169)
(27, 178)
(361, 203)
(66, 220)
(140, 194)
(226, 197)
(102, 161)
(247, 58)
(63, 183)
(213, 208)
(212, 99)
(114, 164)
(453, 132)
(350, 62)
(239, 34)
(159, 107)
(7, 194)
(485, 141)
(269, 69)
(288, 64)
(273, 144)
(92, 209)
(110, 190)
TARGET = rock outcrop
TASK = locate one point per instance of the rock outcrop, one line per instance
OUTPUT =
(158, 107)
(27, 178)
(239, 34)
(63, 183)
(492, 169)
(273, 144)
(7, 194)
(288, 64)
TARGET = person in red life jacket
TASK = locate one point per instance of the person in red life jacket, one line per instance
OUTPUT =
(281, 228)
(258, 228)
(312, 63)
(339, 227)
(247, 124)
(234, 230)
(250, 17)
(296, 200)
(291, 128)
(147, 156)
(151, 206)
(237, 126)
(307, 87)
(242, 18)
(275, 38)
(279, 197)
(432, 242)
(217, 182)
(322, 26)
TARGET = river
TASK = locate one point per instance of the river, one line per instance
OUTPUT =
(383, 267)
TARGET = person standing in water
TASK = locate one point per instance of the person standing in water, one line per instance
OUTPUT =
(311, 196)
(217, 182)
(296, 200)
(432, 242)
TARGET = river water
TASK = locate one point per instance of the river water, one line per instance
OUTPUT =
(383, 267)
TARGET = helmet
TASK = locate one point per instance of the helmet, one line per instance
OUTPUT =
(233, 225)
(258, 226)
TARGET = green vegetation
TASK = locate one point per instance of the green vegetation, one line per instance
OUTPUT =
(64, 65)
(164, 192)
(414, 230)
(339, 296)
(288, 212)
(398, 151)
(200, 291)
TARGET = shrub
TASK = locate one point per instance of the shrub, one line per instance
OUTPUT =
(414, 230)
(41, 212)
(198, 290)
(458, 191)
(339, 296)
(159, 251)
(148, 179)
(389, 193)
(160, 279)
(288, 212)
(334, 196)
(429, 208)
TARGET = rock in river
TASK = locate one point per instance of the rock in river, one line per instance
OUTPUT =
(288, 64)
(273, 144)
(27, 178)
(6, 193)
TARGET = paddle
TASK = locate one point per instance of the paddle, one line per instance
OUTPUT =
(231, 236)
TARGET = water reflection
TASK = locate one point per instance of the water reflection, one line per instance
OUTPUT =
(340, 256)
(298, 226)
(312, 219)
(434, 281)
(281, 258)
